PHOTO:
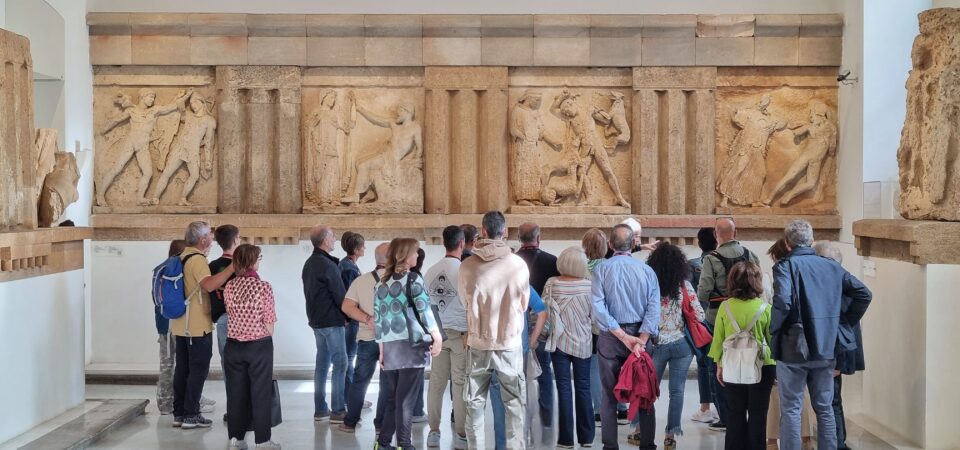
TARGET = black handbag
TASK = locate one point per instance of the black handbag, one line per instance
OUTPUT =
(793, 343)
(276, 412)
(417, 332)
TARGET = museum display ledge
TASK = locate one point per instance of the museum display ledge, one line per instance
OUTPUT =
(290, 229)
(913, 241)
(45, 251)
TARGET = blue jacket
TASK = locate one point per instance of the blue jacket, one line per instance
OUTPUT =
(821, 283)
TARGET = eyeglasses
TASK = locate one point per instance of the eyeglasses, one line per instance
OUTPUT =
(260, 258)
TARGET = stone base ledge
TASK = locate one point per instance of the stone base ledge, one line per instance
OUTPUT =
(913, 241)
(289, 229)
(34, 253)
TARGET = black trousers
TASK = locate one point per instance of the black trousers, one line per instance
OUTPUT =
(193, 365)
(838, 412)
(747, 419)
(249, 369)
(402, 388)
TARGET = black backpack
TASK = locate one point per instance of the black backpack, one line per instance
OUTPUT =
(728, 264)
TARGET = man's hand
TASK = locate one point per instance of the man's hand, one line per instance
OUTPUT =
(371, 323)
(639, 348)
(651, 246)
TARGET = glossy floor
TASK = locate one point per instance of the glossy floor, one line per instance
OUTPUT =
(299, 431)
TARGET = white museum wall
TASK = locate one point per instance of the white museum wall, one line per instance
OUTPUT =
(41, 328)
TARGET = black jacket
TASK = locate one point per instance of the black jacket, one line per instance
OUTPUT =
(542, 265)
(323, 289)
(821, 285)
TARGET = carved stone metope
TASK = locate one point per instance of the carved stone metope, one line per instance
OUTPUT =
(18, 153)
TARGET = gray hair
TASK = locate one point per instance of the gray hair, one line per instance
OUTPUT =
(195, 232)
(799, 233)
(827, 250)
(572, 262)
(494, 224)
(621, 239)
(320, 234)
(529, 233)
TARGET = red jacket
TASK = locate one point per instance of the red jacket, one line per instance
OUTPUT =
(638, 384)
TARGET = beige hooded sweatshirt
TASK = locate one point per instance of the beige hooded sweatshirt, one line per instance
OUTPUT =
(495, 290)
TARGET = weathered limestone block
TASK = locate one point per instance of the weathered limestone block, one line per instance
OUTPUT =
(726, 25)
(18, 158)
(928, 153)
(776, 145)
(59, 189)
(506, 40)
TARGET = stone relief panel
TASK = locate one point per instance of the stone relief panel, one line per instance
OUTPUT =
(776, 150)
(928, 153)
(155, 148)
(362, 147)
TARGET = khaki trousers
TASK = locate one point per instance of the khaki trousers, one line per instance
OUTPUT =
(508, 367)
(450, 364)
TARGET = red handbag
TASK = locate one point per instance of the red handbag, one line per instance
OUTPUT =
(698, 331)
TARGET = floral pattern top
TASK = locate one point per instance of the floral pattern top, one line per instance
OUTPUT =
(672, 323)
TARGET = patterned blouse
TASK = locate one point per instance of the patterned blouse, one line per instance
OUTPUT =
(671, 315)
(250, 307)
(389, 309)
(571, 319)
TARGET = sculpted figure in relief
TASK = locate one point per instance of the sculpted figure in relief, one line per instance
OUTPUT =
(526, 127)
(142, 118)
(193, 146)
(617, 129)
(587, 145)
(805, 173)
(333, 166)
(381, 171)
(743, 172)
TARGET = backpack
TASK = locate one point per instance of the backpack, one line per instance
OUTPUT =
(168, 287)
(728, 264)
(742, 359)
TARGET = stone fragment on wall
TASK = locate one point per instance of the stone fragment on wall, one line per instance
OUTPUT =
(18, 158)
(928, 153)
(155, 140)
(59, 189)
(777, 141)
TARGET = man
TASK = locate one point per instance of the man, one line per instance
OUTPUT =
(638, 245)
(194, 329)
(707, 240)
(441, 281)
(626, 305)
(470, 235)
(228, 238)
(358, 305)
(494, 286)
(542, 266)
(807, 300)
(324, 291)
(713, 287)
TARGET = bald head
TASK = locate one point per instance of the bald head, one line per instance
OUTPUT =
(322, 237)
(380, 254)
(726, 230)
(529, 233)
(621, 239)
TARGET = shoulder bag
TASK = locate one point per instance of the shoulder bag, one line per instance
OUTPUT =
(417, 332)
(793, 343)
(698, 331)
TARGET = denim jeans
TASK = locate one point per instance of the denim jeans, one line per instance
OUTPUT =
(703, 378)
(838, 416)
(368, 358)
(222, 343)
(678, 355)
(719, 394)
(499, 419)
(568, 387)
(350, 341)
(545, 386)
(330, 350)
(817, 376)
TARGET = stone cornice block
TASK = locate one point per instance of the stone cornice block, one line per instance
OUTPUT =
(476, 78)
(276, 25)
(160, 50)
(151, 24)
(277, 50)
(110, 49)
(820, 51)
(674, 77)
(506, 25)
(561, 26)
(616, 26)
(335, 25)
(776, 51)
(217, 24)
(725, 51)
(669, 25)
(452, 26)
(726, 25)
(108, 23)
(393, 25)
(336, 51)
(668, 51)
(913, 241)
(821, 25)
(778, 25)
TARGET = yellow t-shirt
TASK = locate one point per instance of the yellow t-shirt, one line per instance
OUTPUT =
(198, 306)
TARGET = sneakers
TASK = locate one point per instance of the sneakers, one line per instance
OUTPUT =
(564, 446)
(207, 401)
(367, 404)
(596, 418)
(224, 417)
(633, 439)
(669, 444)
(433, 439)
(269, 445)
(347, 428)
(460, 443)
(419, 419)
(622, 418)
(717, 426)
(377, 446)
(177, 421)
(708, 416)
(321, 416)
(237, 445)
(197, 421)
(337, 418)
(587, 445)
(206, 409)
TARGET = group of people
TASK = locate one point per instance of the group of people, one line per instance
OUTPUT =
(596, 327)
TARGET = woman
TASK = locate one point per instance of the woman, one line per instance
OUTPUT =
(570, 342)
(402, 363)
(248, 355)
(595, 246)
(168, 347)
(747, 403)
(355, 246)
(672, 349)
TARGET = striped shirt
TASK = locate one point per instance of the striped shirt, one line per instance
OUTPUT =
(571, 316)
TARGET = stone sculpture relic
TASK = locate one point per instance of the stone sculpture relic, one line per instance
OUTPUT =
(59, 189)
(192, 146)
(329, 160)
(741, 178)
(928, 153)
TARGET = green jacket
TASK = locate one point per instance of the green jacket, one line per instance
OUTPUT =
(715, 276)
(743, 311)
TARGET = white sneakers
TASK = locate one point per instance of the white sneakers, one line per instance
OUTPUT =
(460, 443)
(237, 445)
(433, 439)
(269, 445)
(708, 416)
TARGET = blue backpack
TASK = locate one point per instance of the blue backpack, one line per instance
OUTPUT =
(168, 287)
